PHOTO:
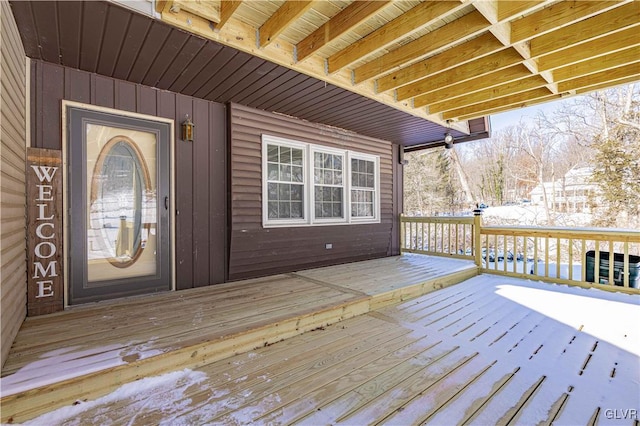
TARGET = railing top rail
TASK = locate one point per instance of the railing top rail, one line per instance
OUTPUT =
(437, 219)
(601, 234)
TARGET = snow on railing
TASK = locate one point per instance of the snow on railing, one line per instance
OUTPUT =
(555, 254)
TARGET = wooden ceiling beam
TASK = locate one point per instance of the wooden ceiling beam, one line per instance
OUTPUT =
(415, 19)
(350, 17)
(288, 13)
(595, 48)
(620, 18)
(471, 50)
(448, 35)
(513, 100)
(508, 9)
(556, 16)
(608, 84)
(600, 78)
(500, 91)
(227, 9)
(511, 74)
(487, 112)
(483, 66)
(602, 63)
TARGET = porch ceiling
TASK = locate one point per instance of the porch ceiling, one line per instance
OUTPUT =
(107, 39)
(405, 71)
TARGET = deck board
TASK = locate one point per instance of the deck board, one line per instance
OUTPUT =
(90, 350)
(447, 357)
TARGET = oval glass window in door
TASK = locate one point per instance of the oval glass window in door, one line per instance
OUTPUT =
(121, 200)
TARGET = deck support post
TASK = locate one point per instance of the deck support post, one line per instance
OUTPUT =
(477, 239)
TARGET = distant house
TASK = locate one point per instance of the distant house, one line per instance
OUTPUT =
(572, 193)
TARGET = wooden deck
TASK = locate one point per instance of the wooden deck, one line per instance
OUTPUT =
(492, 350)
(89, 351)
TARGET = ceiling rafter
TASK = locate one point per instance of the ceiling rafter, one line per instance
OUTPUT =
(437, 59)
(507, 75)
(517, 99)
(502, 90)
(483, 66)
(446, 36)
(471, 50)
(288, 13)
(601, 63)
(620, 18)
(227, 9)
(420, 16)
(592, 49)
(352, 16)
(557, 16)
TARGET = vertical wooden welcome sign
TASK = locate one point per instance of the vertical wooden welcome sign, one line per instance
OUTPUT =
(44, 231)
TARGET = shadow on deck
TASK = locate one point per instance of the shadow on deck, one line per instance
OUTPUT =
(88, 351)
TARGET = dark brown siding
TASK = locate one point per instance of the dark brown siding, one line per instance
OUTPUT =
(256, 251)
(200, 166)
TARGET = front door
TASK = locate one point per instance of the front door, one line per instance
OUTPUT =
(118, 188)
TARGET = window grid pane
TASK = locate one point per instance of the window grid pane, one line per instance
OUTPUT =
(285, 182)
(328, 185)
(363, 188)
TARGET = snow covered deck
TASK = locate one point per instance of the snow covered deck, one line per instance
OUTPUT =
(87, 352)
(491, 350)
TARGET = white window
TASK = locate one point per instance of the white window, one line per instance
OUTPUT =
(305, 184)
(363, 187)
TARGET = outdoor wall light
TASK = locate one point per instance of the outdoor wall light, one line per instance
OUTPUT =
(187, 129)
(448, 140)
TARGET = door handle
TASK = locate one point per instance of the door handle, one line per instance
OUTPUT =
(166, 202)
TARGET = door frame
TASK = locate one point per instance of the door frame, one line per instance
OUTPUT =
(65, 197)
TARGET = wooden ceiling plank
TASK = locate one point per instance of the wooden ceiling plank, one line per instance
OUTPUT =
(517, 99)
(487, 112)
(288, 13)
(500, 91)
(348, 18)
(511, 74)
(602, 63)
(205, 9)
(465, 27)
(599, 78)
(601, 46)
(473, 49)
(420, 16)
(483, 66)
(508, 9)
(608, 84)
(618, 19)
(557, 16)
(227, 9)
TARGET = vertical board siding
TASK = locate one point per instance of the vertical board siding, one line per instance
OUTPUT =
(13, 271)
(201, 221)
(256, 251)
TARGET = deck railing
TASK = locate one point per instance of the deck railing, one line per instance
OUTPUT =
(576, 256)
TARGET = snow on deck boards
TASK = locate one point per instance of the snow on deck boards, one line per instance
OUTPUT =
(491, 350)
(118, 341)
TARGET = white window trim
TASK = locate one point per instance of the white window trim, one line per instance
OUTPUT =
(309, 185)
(376, 196)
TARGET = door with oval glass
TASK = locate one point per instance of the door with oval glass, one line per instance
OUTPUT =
(118, 187)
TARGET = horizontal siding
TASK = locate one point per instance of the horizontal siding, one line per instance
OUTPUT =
(255, 251)
(13, 271)
(200, 167)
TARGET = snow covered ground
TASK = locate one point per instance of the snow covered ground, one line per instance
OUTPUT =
(489, 349)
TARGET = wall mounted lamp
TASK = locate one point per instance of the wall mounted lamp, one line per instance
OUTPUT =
(187, 129)
(448, 140)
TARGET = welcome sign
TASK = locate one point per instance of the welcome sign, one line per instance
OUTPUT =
(44, 231)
